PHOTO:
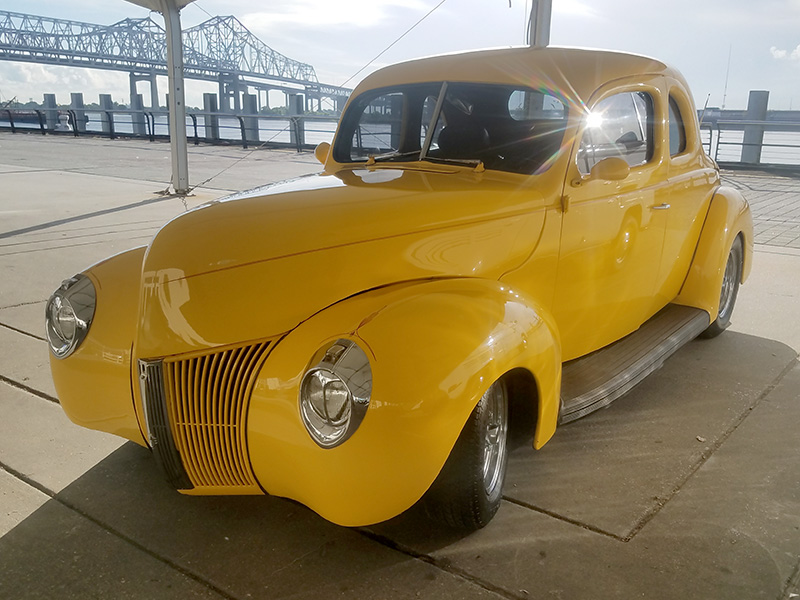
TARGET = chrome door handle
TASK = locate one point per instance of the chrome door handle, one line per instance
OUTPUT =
(660, 207)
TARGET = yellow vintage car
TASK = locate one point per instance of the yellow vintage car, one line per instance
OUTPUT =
(499, 242)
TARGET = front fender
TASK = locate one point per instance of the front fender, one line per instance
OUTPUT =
(728, 216)
(94, 383)
(435, 347)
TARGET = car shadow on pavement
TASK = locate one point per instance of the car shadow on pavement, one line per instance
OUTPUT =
(605, 477)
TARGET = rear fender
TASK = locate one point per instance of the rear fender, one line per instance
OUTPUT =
(728, 216)
(434, 347)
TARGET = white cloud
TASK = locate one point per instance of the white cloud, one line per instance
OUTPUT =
(780, 54)
(776, 53)
(31, 81)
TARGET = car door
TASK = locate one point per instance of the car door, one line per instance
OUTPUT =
(692, 180)
(612, 228)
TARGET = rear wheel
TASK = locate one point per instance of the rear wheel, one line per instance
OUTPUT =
(729, 290)
(468, 491)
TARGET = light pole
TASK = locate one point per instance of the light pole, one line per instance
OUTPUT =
(170, 9)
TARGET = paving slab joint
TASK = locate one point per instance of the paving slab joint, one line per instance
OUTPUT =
(54, 497)
(23, 332)
(442, 565)
(566, 519)
(710, 450)
(27, 480)
(23, 304)
(28, 389)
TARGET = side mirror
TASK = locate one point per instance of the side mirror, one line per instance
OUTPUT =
(612, 168)
(322, 151)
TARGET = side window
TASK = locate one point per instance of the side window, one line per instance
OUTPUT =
(620, 125)
(379, 127)
(525, 105)
(677, 132)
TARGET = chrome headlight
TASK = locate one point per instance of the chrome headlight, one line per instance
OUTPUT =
(69, 314)
(335, 393)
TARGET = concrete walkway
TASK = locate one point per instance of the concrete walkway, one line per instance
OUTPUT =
(688, 487)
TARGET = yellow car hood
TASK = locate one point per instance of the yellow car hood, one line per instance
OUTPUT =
(256, 264)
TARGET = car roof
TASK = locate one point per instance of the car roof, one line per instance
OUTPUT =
(573, 73)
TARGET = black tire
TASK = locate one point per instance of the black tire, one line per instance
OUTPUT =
(468, 491)
(729, 290)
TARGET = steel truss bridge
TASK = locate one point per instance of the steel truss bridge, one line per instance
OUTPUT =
(221, 50)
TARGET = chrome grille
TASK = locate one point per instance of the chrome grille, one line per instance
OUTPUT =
(206, 398)
(159, 433)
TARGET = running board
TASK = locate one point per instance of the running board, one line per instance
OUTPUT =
(596, 380)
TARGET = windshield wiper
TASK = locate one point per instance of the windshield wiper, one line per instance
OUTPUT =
(392, 156)
(469, 162)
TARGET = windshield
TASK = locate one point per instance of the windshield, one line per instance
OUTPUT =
(507, 128)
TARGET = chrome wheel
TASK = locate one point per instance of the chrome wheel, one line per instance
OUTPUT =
(495, 439)
(469, 488)
(728, 291)
(730, 282)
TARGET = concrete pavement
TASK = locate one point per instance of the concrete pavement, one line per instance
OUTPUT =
(688, 487)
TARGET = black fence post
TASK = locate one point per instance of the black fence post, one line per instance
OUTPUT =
(42, 125)
(193, 117)
(243, 131)
(110, 117)
(74, 119)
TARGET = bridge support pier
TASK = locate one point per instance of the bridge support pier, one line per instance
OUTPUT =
(137, 117)
(754, 134)
(106, 105)
(134, 78)
(250, 123)
(211, 121)
(297, 126)
(50, 111)
(230, 89)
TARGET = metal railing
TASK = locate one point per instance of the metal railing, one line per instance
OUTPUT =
(770, 143)
(302, 132)
(777, 143)
(17, 119)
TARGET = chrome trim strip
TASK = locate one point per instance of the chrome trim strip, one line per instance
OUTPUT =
(159, 433)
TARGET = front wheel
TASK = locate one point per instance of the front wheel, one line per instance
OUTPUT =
(729, 291)
(468, 491)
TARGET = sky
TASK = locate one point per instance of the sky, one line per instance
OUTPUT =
(725, 48)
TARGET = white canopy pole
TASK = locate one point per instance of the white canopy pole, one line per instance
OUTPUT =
(177, 105)
(540, 23)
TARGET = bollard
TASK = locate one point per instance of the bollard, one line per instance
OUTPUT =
(63, 123)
